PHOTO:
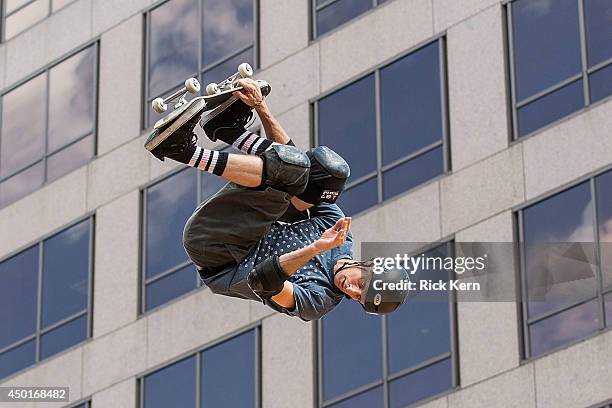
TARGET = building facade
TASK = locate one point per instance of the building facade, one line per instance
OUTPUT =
(462, 120)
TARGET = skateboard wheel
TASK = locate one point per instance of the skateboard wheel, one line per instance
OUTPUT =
(192, 85)
(212, 88)
(158, 105)
(245, 70)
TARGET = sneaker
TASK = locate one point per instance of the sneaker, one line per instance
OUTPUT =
(178, 146)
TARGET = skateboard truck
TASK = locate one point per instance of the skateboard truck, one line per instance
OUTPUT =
(192, 85)
(244, 71)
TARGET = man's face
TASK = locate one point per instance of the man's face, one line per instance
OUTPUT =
(351, 281)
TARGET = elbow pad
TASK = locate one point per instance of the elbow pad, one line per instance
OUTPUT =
(267, 278)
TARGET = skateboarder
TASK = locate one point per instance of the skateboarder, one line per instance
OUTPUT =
(237, 239)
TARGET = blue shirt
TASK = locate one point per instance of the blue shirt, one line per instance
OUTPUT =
(313, 284)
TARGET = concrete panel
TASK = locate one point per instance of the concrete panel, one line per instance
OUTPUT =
(116, 264)
(287, 349)
(296, 123)
(294, 80)
(108, 13)
(2, 65)
(568, 150)
(499, 228)
(283, 29)
(122, 395)
(481, 190)
(377, 36)
(63, 370)
(514, 389)
(259, 311)
(477, 94)
(413, 217)
(578, 376)
(191, 322)
(119, 109)
(115, 357)
(116, 173)
(43, 211)
(48, 40)
(450, 12)
(441, 402)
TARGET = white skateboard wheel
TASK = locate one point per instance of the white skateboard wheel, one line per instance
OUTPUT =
(192, 85)
(212, 88)
(245, 70)
(158, 105)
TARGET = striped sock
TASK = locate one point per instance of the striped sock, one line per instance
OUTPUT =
(211, 161)
(250, 143)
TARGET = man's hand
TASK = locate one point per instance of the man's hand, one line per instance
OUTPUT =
(334, 236)
(250, 93)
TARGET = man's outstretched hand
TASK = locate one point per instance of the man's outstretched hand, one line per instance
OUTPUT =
(250, 93)
(334, 236)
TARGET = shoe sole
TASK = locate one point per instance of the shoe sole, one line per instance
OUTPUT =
(196, 107)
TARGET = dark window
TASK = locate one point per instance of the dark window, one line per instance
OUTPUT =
(566, 269)
(206, 39)
(329, 14)
(405, 146)
(559, 58)
(414, 345)
(45, 298)
(223, 375)
(48, 125)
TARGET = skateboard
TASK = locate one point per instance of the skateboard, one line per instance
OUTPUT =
(216, 96)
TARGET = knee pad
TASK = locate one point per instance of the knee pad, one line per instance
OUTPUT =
(327, 176)
(285, 169)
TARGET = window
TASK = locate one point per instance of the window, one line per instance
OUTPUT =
(22, 14)
(407, 356)
(81, 405)
(390, 126)
(48, 125)
(567, 283)
(329, 14)
(225, 375)
(45, 298)
(561, 59)
(168, 273)
(206, 39)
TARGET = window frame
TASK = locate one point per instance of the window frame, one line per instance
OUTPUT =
(380, 168)
(313, 9)
(45, 70)
(91, 218)
(385, 379)
(584, 75)
(197, 353)
(5, 15)
(525, 321)
(147, 98)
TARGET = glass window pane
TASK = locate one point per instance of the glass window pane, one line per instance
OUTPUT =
(598, 17)
(601, 83)
(169, 204)
(546, 44)
(563, 328)
(173, 44)
(347, 125)
(227, 27)
(412, 173)
(421, 384)
(227, 368)
(339, 13)
(21, 184)
(25, 18)
(550, 108)
(23, 123)
(566, 217)
(368, 399)
(352, 349)
(211, 184)
(173, 386)
(71, 99)
(227, 68)
(603, 188)
(171, 286)
(65, 274)
(359, 198)
(18, 296)
(17, 358)
(70, 158)
(410, 103)
(63, 337)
